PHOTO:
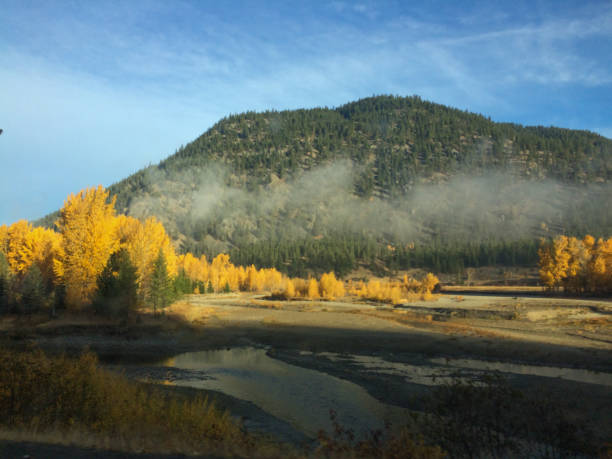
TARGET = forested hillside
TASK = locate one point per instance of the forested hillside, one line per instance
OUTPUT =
(385, 182)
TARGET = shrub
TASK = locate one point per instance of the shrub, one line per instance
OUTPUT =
(38, 393)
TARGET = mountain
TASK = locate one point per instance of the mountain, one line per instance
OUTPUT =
(389, 182)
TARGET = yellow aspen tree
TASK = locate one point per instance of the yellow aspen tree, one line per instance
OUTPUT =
(273, 279)
(326, 285)
(601, 267)
(204, 267)
(192, 267)
(4, 239)
(357, 288)
(87, 224)
(221, 262)
(233, 278)
(251, 278)
(561, 257)
(17, 255)
(554, 262)
(27, 246)
(410, 284)
(301, 287)
(289, 289)
(127, 229)
(242, 276)
(374, 289)
(218, 271)
(590, 245)
(546, 264)
(42, 247)
(330, 287)
(313, 289)
(429, 282)
(143, 245)
(339, 290)
(577, 269)
(260, 280)
(395, 294)
(589, 242)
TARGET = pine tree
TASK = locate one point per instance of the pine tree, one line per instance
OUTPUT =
(160, 286)
(32, 290)
(182, 284)
(143, 241)
(117, 287)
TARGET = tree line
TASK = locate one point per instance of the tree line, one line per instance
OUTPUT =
(578, 266)
(345, 252)
(115, 263)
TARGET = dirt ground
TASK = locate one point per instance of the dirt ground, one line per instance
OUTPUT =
(572, 332)
(501, 327)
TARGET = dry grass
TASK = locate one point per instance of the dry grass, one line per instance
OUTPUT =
(191, 312)
(73, 400)
(492, 289)
(266, 304)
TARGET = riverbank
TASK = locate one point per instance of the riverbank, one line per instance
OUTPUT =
(335, 337)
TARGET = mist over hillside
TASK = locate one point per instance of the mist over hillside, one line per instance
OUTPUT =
(322, 201)
(374, 181)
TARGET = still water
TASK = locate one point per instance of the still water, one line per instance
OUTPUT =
(304, 397)
(440, 370)
(300, 396)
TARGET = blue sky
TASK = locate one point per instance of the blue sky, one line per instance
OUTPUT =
(90, 91)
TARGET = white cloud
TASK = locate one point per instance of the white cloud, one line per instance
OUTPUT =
(121, 87)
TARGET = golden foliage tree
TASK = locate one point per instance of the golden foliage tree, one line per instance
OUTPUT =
(143, 242)
(4, 239)
(392, 291)
(554, 261)
(578, 266)
(313, 289)
(26, 246)
(18, 258)
(330, 287)
(87, 225)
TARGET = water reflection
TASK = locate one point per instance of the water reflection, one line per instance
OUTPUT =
(572, 374)
(297, 395)
(444, 370)
(303, 397)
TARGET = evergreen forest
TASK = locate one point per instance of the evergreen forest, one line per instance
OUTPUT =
(386, 183)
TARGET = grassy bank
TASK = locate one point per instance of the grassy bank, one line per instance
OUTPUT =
(70, 398)
(73, 402)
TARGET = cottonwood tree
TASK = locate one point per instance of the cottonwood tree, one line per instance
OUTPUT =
(143, 241)
(87, 224)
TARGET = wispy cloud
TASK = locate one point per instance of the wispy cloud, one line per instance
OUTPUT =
(116, 85)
